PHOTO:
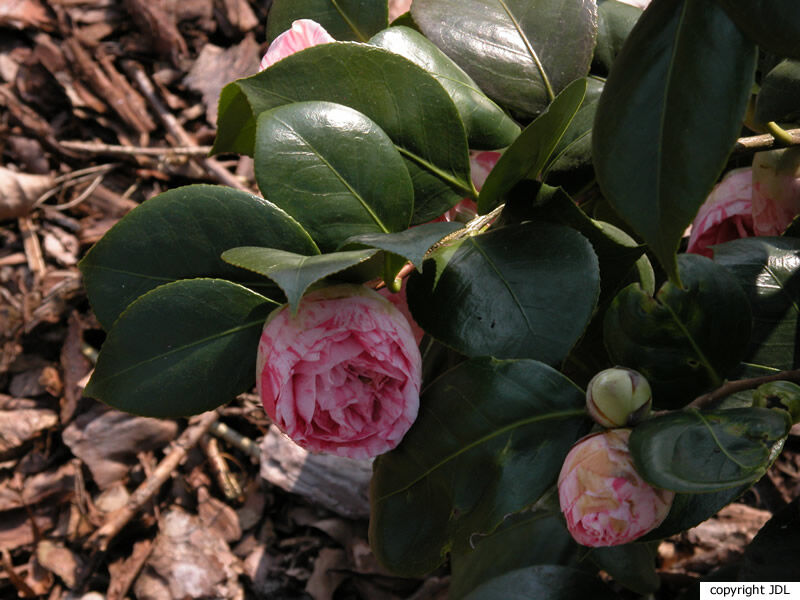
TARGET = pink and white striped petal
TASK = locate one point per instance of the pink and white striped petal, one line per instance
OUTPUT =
(303, 34)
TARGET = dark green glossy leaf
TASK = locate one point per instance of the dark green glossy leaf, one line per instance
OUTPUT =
(522, 291)
(773, 24)
(510, 421)
(574, 149)
(184, 348)
(526, 157)
(693, 451)
(355, 20)
(777, 99)
(403, 99)
(774, 553)
(521, 541)
(657, 150)
(543, 581)
(180, 234)
(520, 53)
(294, 273)
(631, 565)
(768, 269)
(411, 244)
(615, 20)
(685, 341)
(334, 170)
(487, 126)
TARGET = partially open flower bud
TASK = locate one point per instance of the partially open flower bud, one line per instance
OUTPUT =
(617, 397)
(603, 498)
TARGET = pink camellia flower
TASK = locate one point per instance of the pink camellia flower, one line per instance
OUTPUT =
(726, 215)
(341, 376)
(776, 190)
(303, 34)
(603, 498)
(399, 301)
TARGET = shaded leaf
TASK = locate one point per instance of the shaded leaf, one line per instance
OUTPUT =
(522, 291)
(632, 565)
(615, 20)
(529, 153)
(181, 234)
(780, 89)
(768, 269)
(523, 417)
(693, 451)
(488, 127)
(689, 510)
(774, 553)
(773, 24)
(520, 53)
(411, 244)
(181, 349)
(543, 581)
(657, 151)
(403, 99)
(685, 341)
(294, 273)
(334, 170)
(521, 541)
(355, 20)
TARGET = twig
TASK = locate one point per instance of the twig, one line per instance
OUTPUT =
(33, 250)
(17, 581)
(759, 143)
(740, 385)
(98, 148)
(219, 468)
(212, 166)
(101, 538)
(236, 439)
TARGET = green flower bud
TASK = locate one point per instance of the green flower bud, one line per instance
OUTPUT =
(618, 397)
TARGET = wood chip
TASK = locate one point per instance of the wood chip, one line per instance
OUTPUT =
(336, 483)
(60, 560)
(19, 192)
(22, 425)
(75, 366)
(155, 22)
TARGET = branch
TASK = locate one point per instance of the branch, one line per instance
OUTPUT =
(757, 143)
(741, 385)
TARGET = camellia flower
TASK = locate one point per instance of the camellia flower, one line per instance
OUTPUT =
(603, 498)
(343, 375)
(303, 34)
(776, 190)
(400, 302)
(618, 396)
(726, 215)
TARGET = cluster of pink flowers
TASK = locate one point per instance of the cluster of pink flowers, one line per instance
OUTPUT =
(758, 200)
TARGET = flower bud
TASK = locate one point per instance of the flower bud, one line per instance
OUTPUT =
(618, 396)
(604, 500)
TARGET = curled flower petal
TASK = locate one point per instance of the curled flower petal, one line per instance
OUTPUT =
(343, 375)
(303, 34)
(726, 215)
(604, 500)
(776, 190)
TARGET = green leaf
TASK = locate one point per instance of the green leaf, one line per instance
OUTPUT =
(692, 451)
(411, 244)
(526, 157)
(403, 99)
(184, 348)
(355, 20)
(657, 150)
(780, 89)
(180, 234)
(543, 581)
(512, 422)
(522, 291)
(334, 170)
(614, 24)
(774, 553)
(768, 269)
(294, 273)
(632, 565)
(689, 510)
(520, 53)
(685, 341)
(772, 24)
(574, 149)
(521, 541)
(488, 127)
(779, 394)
